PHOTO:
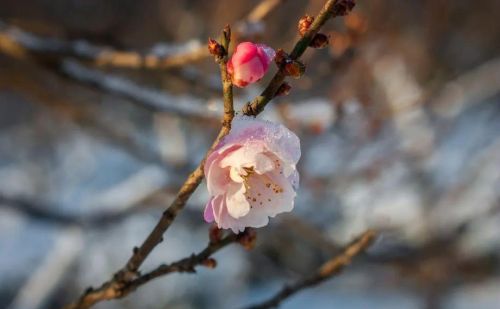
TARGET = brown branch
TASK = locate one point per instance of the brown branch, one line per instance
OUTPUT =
(120, 289)
(105, 56)
(134, 60)
(227, 84)
(179, 55)
(194, 179)
(184, 265)
(326, 271)
(186, 105)
(332, 8)
(129, 272)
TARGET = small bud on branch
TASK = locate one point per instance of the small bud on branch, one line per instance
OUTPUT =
(281, 58)
(304, 24)
(216, 49)
(209, 263)
(248, 238)
(294, 69)
(284, 89)
(287, 65)
(320, 40)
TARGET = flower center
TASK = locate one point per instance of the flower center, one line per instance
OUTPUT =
(255, 195)
(249, 172)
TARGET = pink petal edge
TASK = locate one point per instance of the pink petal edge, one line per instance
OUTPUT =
(208, 215)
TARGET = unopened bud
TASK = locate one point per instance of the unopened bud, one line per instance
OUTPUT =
(284, 89)
(248, 238)
(320, 40)
(215, 48)
(214, 234)
(209, 263)
(294, 69)
(304, 24)
(281, 57)
(343, 7)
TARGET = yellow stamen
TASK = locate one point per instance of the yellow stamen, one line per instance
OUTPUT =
(249, 171)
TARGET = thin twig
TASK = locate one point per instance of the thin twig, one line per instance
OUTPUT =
(185, 265)
(133, 60)
(227, 84)
(130, 272)
(118, 289)
(326, 271)
(176, 56)
(328, 11)
(152, 99)
(188, 187)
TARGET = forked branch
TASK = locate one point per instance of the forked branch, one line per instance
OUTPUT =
(130, 272)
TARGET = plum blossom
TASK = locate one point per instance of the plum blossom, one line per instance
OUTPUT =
(251, 174)
(249, 63)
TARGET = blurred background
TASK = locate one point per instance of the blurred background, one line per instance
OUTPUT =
(105, 106)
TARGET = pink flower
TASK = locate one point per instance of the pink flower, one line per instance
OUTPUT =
(251, 174)
(249, 63)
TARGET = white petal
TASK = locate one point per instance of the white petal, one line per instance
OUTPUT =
(235, 174)
(294, 179)
(208, 214)
(237, 204)
(217, 180)
(268, 51)
(262, 163)
(250, 155)
(276, 137)
(217, 177)
(244, 156)
(270, 194)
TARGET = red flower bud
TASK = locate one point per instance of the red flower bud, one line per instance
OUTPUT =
(249, 63)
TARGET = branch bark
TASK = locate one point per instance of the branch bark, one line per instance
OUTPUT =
(129, 272)
(325, 272)
(105, 56)
(118, 289)
(111, 289)
(332, 8)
